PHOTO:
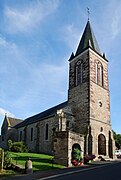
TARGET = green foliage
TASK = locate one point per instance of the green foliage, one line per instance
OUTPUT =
(19, 147)
(117, 138)
(10, 144)
(7, 159)
(76, 154)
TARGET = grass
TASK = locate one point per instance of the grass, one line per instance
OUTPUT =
(40, 162)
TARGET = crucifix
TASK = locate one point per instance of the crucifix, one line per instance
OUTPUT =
(88, 12)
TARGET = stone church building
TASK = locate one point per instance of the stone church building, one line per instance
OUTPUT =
(82, 121)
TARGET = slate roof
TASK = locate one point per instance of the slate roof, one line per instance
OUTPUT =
(14, 121)
(41, 116)
(88, 40)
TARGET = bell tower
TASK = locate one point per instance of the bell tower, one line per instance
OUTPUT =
(89, 96)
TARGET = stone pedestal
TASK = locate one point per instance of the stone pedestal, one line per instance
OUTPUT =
(28, 167)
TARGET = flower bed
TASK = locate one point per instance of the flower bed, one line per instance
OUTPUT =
(89, 158)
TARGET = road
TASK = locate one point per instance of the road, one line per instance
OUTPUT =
(104, 172)
(94, 171)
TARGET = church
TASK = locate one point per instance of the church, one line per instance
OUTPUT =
(83, 121)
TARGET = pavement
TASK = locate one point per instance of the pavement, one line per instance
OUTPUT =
(58, 172)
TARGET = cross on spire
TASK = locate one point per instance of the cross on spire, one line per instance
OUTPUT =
(88, 13)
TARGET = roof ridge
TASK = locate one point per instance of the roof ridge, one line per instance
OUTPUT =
(42, 115)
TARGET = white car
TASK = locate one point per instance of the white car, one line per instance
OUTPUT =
(118, 153)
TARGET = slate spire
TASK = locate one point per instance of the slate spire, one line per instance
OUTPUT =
(88, 40)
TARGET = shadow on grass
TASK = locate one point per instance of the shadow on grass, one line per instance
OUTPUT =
(44, 167)
(33, 159)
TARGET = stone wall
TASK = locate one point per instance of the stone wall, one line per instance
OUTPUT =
(60, 147)
(99, 95)
(90, 100)
(38, 143)
(74, 138)
(98, 128)
(63, 142)
(99, 104)
(78, 96)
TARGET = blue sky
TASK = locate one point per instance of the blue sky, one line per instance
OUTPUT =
(36, 41)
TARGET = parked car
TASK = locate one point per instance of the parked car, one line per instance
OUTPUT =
(118, 153)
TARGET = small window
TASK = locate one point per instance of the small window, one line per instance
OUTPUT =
(67, 124)
(100, 104)
(46, 132)
(20, 135)
(2, 138)
(31, 134)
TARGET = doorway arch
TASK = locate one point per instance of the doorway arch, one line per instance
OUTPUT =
(76, 152)
(76, 146)
(101, 145)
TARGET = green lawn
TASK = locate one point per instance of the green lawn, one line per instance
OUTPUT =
(40, 162)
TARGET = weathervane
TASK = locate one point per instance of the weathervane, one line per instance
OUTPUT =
(88, 12)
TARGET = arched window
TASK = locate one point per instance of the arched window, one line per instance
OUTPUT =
(99, 73)
(31, 134)
(46, 132)
(96, 73)
(78, 73)
(76, 83)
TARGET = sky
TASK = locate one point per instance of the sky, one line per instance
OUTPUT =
(37, 38)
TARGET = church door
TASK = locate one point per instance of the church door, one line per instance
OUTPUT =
(101, 145)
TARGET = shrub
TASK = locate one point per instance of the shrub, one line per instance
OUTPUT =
(76, 154)
(10, 144)
(19, 147)
(7, 160)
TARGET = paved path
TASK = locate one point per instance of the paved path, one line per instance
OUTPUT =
(60, 173)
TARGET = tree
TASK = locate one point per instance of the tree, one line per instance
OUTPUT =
(117, 138)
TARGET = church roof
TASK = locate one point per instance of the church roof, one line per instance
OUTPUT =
(88, 40)
(13, 121)
(43, 115)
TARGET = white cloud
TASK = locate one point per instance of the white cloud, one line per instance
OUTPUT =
(111, 19)
(3, 111)
(44, 80)
(70, 35)
(26, 18)
(116, 19)
(2, 41)
(9, 46)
